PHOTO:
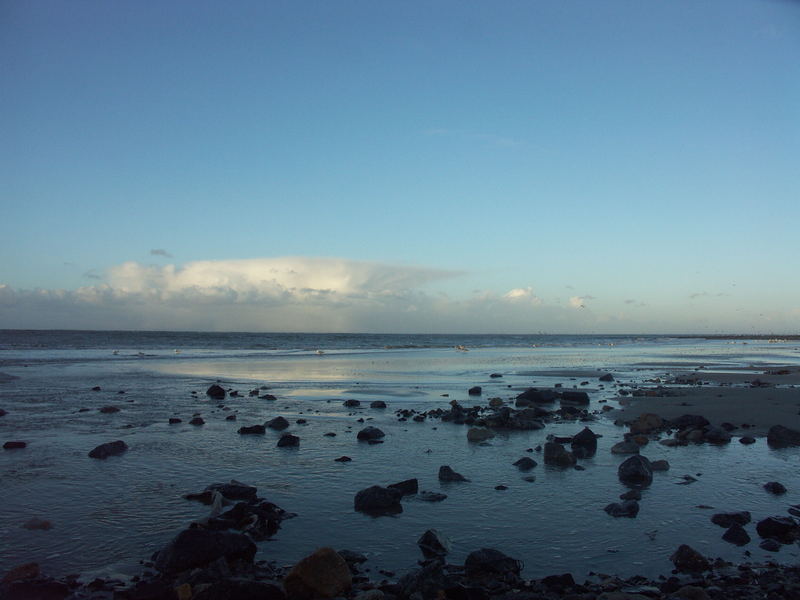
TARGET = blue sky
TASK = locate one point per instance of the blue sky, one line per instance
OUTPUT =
(630, 166)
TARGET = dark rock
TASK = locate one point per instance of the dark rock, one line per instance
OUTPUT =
(154, 589)
(689, 560)
(377, 404)
(230, 418)
(96, 388)
(607, 377)
(479, 434)
(783, 529)
(689, 422)
(746, 439)
(573, 397)
(447, 474)
(14, 445)
(635, 471)
(38, 589)
(323, 574)
(194, 548)
(774, 487)
(216, 392)
(732, 518)
(717, 435)
(584, 444)
(433, 544)
(474, 391)
(234, 490)
(628, 508)
(779, 436)
(301, 421)
(625, 447)
(103, 451)
(770, 545)
(488, 563)
(370, 433)
(659, 465)
(278, 423)
(268, 397)
(343, 459)
(501, 487)
(175, 420)
(288, 441)
(431, 496)
(407, 487)
(232, 588)
(197, 421)
(532, 395)
(252, 430)
(377, 499)
(109, 410)
(525, 463)
(736, 535)
(556, 455)
(495, 375)
(330, 434)
(351, 403)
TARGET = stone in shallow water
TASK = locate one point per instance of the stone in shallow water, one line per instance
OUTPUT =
(447, 474)
(635, 471)
(377, 499)
(688, 560)
(216, 392)
(288, 441)
(370, 433)
(628, 508)
(736, 534)
(103, 451)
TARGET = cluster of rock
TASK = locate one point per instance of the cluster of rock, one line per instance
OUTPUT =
(377, 500)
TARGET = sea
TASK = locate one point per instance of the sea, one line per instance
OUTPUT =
(109, 515)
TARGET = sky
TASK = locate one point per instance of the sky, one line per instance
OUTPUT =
(565, 166)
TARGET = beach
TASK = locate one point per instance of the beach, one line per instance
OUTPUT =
(109, 514)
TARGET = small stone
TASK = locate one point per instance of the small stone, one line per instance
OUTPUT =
(230, 418)
(109, 410)
(197, 421)
(447, 474)
(525, 463)
(431, 496)
(288, 441)
(351, 403)
(433, 544)
(174, 420)
(278, 423)
(14, 445)
(103, 451)
(774, 487)
(501, 487)
(475, 391)
(216, 392)
(628, 508)
(606, 377)
(377, 404)
(770, 545)
(732, 518)
(625, 447)
(631, 495)
(746, 439)
(659, 465)
(252, 430)
(370, 433)
(343, 459)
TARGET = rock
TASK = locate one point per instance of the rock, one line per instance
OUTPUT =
(736, 534)
(175, 420)
(488, 563)
(433, 544)
(96, 388)
(407, 487)
(556, 455)
(377, 499)
(323, 574)
(659, 465)
(475, 391)
(746, 439)
(770, 545)
(607, 377)
(230, 418)
(343, 459)
(495, 402)
(377, 404)
(717, 435)
(37, 524)
(501, 487)
(631, 495)
(228, 589)
(732, 518)
(14, 445)
(532, 395)
(774, 487)
(234, 490)
(216, 392)
(628, 508)
(575, 398)
(782, 529)
(688, 560)
(584, 444)
(197, 421)
(479, 434)
(269, 397)
(103, 451)
(447, 474)
(3, 413)
(689, 422)
(495, 375)
(278, 423)
(22, 572)
(525, 463)
(109, 410)
(779, 436)
(370, 433)
(431, 496)
(351, 403)
(635, 471)
(252, 430)
(647, 423)
(288, 440)
(194, 548)
(625, 447)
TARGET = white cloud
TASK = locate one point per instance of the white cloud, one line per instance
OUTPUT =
(522, 295)
(580, 301)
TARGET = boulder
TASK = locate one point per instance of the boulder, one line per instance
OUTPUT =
(488, 563)
(732, 518)
(475, 391)
(688, 560)
(659, 465)
(647, 423)
(628, 508)
(625, 447)
(14, 445)
(377, 499)
(377, 404)
(370, 433)
(351, 403)
(532, 395)
(103, 451)
(252, 430)
(216, 392)
(479, 434)
(635, 471)
(447, 474)
(288, 440)
(555, 454)
(407, 487)
(574, 398)
(278, 423)
(584, 444)
(779, 436)
(433, 544)
(323, 574)
(193, 548)
(782, 529)
(525, 463)
(736, 534)
(774, 487)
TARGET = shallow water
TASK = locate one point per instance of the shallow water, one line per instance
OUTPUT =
(108, 515)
